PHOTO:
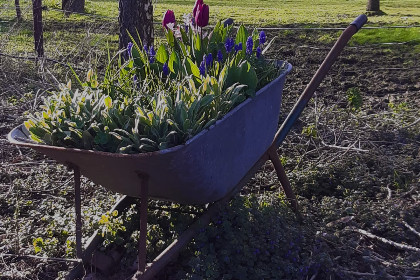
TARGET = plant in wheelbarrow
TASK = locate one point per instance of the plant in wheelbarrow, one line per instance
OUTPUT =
(156, 97)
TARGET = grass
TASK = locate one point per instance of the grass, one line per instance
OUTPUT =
(382, 36)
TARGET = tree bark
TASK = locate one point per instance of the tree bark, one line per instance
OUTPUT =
(135, 16)
(373, 6)
(18, 11)
(73, 6)
(38, 33)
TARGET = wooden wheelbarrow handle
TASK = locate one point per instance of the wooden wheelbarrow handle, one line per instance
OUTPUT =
(317, 79)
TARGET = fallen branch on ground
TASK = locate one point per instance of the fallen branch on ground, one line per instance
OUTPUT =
(387, 241)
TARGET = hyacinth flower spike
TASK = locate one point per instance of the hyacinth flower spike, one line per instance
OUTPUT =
(129, 47)
(262, 38)
(249, 45)
(165, 69)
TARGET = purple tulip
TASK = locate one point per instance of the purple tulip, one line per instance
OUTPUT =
(165, 69)
(219, 56)
(262, 37)
(202, 15)
(249, 45)
(168, 17)
(197, 4)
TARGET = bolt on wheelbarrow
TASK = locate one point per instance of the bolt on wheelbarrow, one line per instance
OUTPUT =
(209, 169)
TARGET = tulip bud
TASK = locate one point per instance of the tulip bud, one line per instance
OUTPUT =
(168, 18)
(202, 16)
(196, 6)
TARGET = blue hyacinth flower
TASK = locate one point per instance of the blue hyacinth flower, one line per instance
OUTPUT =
(209, 60)
(165, 69)
(229, 44)
(249, 45)
(262, 37)
(258, 52)
(129, 47)
(238, 47)
(152, 54)
(219, 56)
(202, 68)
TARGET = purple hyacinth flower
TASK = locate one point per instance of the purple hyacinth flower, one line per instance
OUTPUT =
(129, 47)
(249, 45)
(152, 54)
(258, 52)
(209, 60)
(146, 49)
(135, 79)
(219, 56)
(262, 38)
(202, 68)
(229, 44)
(238, 47)
(165, 69)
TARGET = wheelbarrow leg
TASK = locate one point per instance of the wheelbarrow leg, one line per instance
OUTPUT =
(78, 210)
(284, 181)
(144, 190)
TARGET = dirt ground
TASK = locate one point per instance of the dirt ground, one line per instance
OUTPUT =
(353, 159)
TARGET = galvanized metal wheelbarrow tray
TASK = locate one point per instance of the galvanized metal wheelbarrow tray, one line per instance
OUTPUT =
(212, 166)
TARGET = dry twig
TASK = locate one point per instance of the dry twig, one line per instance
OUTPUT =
(387, 241)
(40, 258)
(413, 230)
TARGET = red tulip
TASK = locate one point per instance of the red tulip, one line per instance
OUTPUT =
(196, 5)
(202, 15)
(168, 17)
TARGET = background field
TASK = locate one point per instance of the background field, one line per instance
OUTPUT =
(353, 158)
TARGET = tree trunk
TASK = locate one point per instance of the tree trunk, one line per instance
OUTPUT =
(136, 16)
(146, 22)
(373, 6)
(73, 6)
(18, 11)
(38, 33)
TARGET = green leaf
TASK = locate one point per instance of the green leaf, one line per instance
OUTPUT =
(191, 68)
(162, 54)
(241, 36)
(138, 59)
(170, 38)
(197, 42)
(108, 102)
(184, 36)
(174, 62)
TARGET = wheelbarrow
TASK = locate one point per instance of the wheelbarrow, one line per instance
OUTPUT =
(209, 168)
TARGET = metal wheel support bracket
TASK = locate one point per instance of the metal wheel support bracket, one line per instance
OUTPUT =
(284, 181)
(78, 210)
(144, 191)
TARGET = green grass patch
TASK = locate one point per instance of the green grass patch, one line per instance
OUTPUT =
(410, 36)
(268, 12)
